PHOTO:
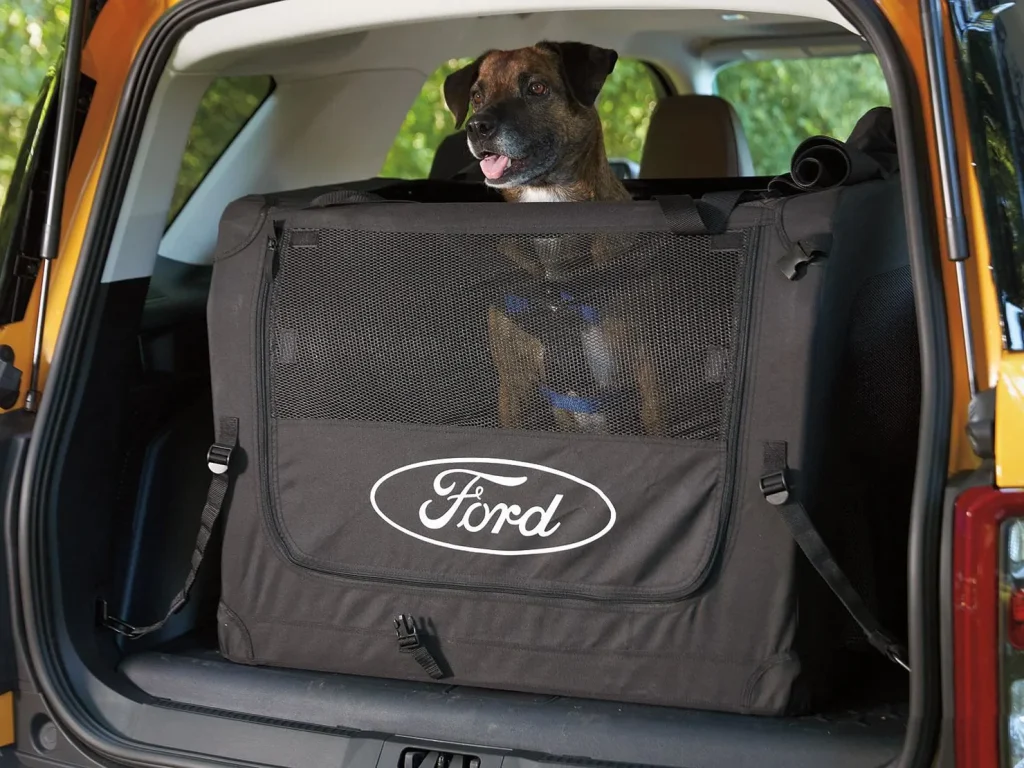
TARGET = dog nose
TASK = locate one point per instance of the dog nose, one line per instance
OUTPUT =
(481, 126)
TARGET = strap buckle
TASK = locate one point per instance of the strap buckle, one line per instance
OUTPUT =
(898, 656)
(889, 648)
(775, 487)
(218, 458)
(405, 629)
(120, 626)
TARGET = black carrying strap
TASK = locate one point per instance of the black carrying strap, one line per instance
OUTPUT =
(409, 643)
(344, 197)
(777, 492)
(708, 215)
(218, 459)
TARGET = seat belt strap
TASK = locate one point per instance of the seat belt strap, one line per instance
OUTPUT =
(777, 491)
(218, 459)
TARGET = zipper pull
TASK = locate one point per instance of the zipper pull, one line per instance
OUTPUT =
(272, 258)
(409, 642)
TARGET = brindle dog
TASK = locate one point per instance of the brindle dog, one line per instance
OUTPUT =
(537, 135)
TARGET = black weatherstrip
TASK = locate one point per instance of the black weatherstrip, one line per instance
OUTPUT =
(72, 355)
(42, 629)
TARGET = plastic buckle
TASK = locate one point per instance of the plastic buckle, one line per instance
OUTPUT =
(113, 623)
(405, 629)
(218, 458)
(775, 488)
(898, 656)
(801, 255)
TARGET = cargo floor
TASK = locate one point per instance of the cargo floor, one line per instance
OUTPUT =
(867, 736)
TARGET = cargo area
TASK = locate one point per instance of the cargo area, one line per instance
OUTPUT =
(134, 480)
(134, 548)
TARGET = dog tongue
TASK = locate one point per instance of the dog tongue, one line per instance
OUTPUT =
(494, 165)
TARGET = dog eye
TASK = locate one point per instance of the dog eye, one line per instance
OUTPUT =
(538, 89)
(477, 98)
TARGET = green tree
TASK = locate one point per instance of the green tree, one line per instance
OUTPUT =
(780, 103)
(31, 35)
(423, 129)
(225, 108)
(625, 106)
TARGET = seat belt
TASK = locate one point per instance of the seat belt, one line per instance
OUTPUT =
(218, 459)
(777, 491)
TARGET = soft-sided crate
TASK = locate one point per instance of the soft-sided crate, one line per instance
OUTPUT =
(602, 531)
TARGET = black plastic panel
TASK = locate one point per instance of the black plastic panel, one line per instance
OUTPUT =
(521, 723)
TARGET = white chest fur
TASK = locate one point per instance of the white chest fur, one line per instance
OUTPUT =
(540, 195)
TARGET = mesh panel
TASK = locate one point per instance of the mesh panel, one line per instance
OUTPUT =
(612, 333)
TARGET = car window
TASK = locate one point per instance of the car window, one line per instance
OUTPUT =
(30, 59)
(990, 48)
(625, 106)
(224, 110)
(782, 102)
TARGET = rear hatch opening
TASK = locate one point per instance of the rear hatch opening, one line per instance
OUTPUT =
(134, 478)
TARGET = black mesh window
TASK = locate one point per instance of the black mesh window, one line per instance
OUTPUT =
(519, 331)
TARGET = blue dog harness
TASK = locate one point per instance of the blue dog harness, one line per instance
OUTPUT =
(578, 369)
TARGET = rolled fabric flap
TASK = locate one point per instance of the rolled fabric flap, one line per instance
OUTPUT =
(822, 162)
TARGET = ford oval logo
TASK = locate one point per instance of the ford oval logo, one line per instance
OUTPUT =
(493, 506)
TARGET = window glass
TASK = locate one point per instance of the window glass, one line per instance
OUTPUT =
(423, 129)
(782, 102)
(625, 106)
(31, 55)
(990, 48)
(225, 108)
(31, 36)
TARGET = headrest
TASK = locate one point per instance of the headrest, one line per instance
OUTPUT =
(452, 157)
(695, 137)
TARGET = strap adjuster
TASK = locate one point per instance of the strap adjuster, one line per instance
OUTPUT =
(120, 626)
(775, 488)
(897, 654)
(409, 643)
(218, 458)
(405, 629)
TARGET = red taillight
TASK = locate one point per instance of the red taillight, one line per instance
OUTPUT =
(1015, 619)
(988, 627)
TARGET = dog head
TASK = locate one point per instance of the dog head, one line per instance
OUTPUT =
(533, 110)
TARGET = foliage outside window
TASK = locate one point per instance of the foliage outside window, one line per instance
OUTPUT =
(225, 108)
(31, 34)
(625, 106)
(782, 102)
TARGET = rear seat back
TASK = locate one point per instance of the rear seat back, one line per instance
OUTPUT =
(695, 136)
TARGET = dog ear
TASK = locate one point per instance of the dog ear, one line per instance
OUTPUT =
(584, 68)
(456, 89)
